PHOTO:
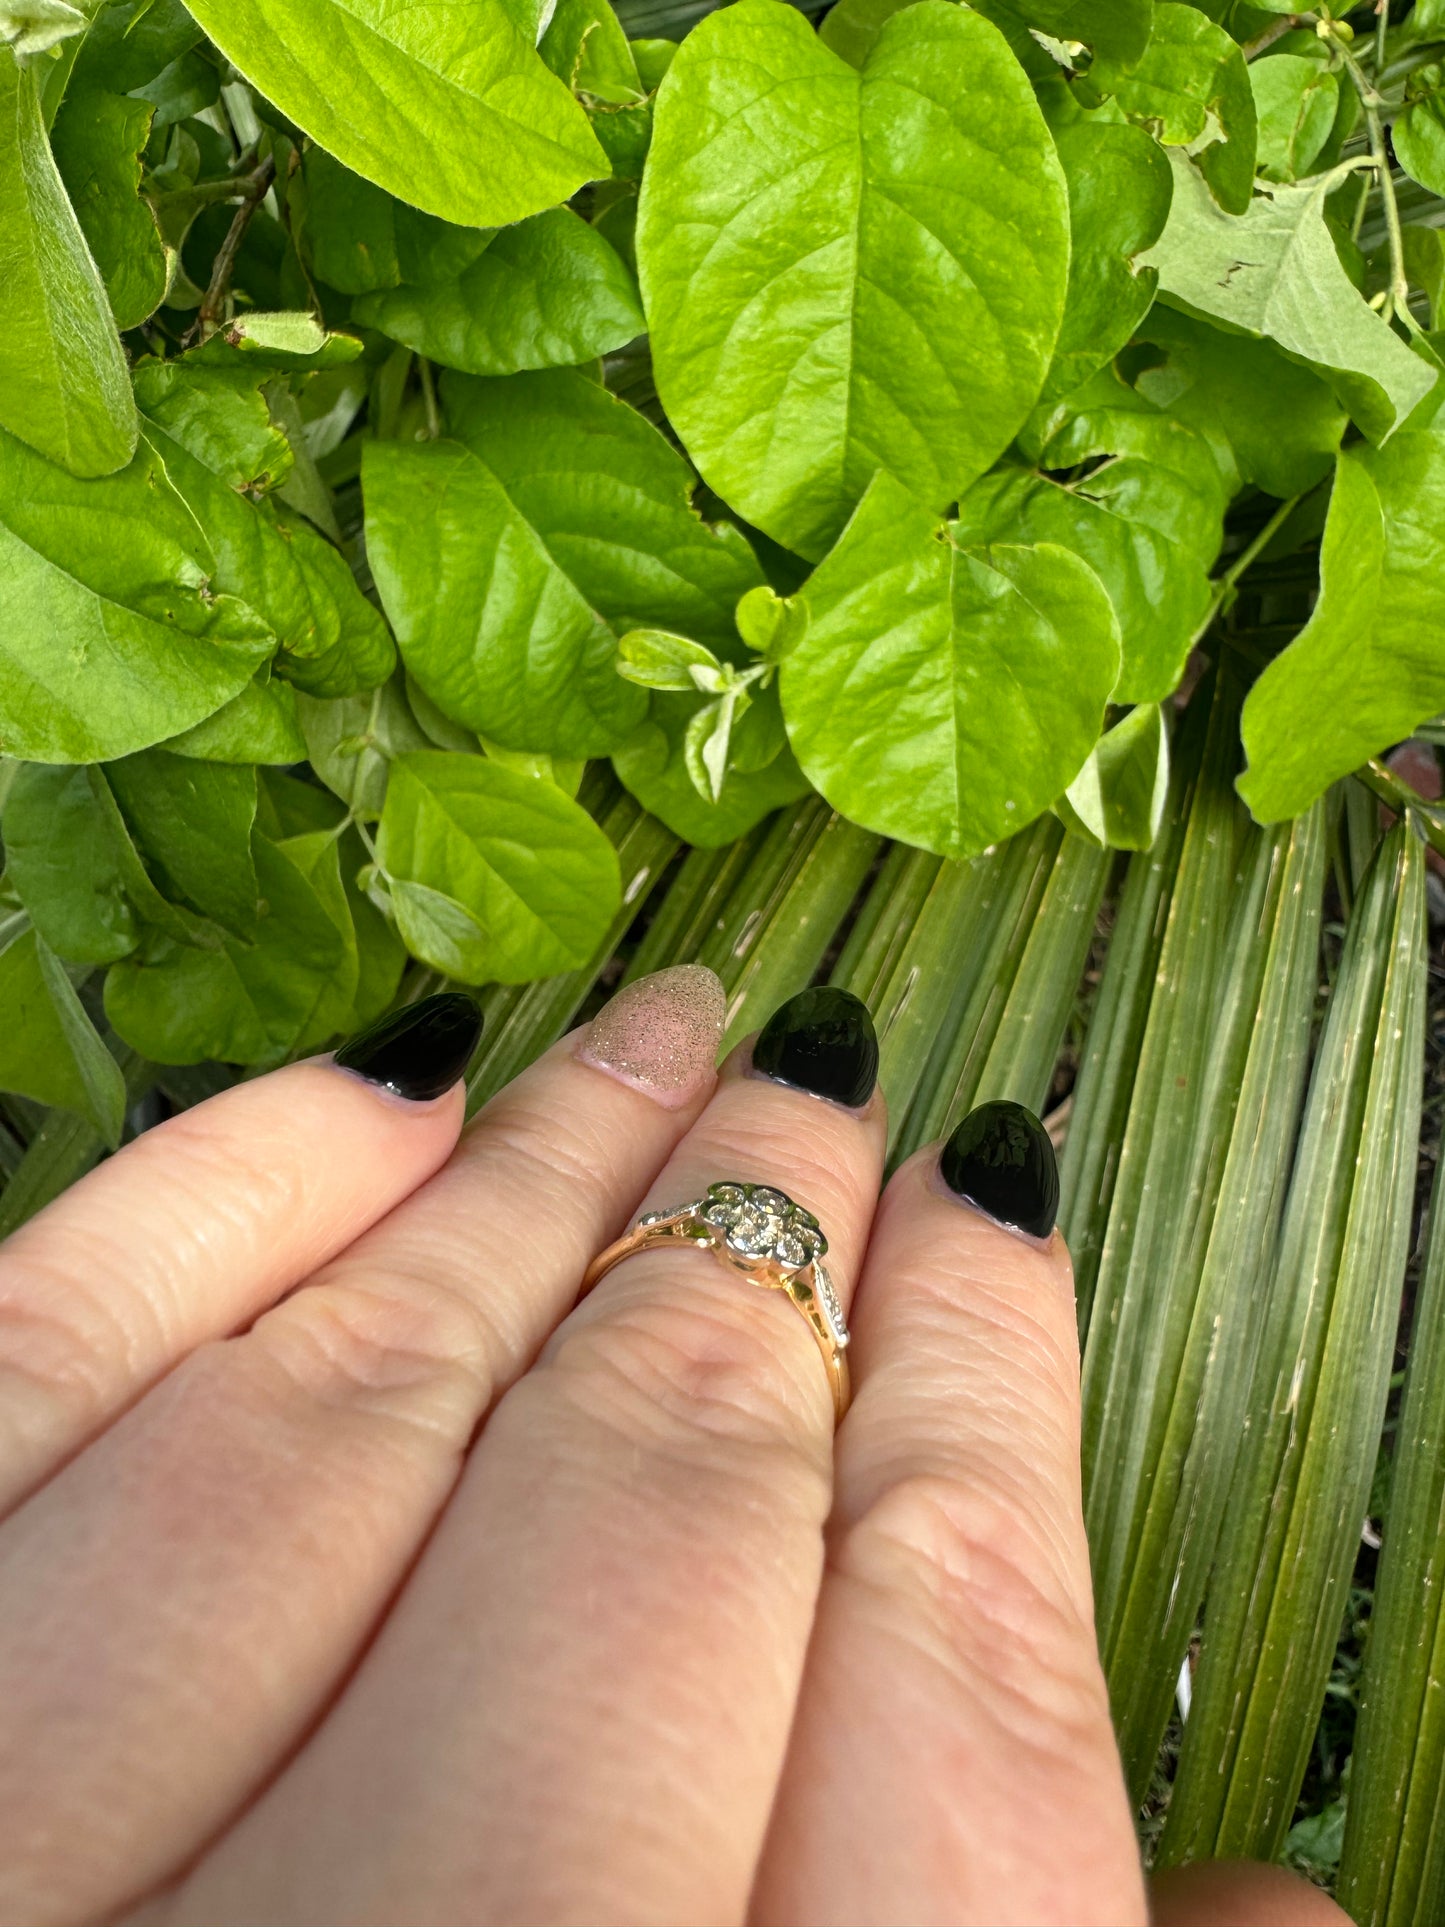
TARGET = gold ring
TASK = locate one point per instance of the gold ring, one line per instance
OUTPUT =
(773, 1242)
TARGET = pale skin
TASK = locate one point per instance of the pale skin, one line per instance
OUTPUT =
(352, 1572)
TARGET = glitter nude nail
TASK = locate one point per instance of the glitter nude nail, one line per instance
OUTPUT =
(661, 1034)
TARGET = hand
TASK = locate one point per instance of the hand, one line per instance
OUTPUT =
(349, 1574)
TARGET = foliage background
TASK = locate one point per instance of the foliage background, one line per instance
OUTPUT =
(950, 503)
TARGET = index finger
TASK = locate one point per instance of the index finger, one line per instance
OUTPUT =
(954, 1713)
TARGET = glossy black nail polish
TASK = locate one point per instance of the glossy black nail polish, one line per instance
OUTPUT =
(1000, 1159)
(421, 1051)
(821, 1041)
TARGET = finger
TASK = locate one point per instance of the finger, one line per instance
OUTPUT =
(177, 1605)
(204, 1221)
(1240, 1893)
(578, 1709)
(953, 1758)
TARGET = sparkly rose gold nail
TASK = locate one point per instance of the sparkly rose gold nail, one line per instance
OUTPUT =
(661, 1034)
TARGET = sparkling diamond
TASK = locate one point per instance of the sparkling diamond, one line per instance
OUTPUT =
(761, 1222)
(756, 1231)
(790, 1249)
(832, 1310)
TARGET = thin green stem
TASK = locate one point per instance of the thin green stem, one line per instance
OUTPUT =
(1398, 796)
(1398, 299)
(1226, 585)
(1382, 27)
(429, 397)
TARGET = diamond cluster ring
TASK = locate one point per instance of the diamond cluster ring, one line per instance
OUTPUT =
(773, 1242)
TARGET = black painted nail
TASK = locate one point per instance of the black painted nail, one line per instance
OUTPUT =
(821, 1041)
(421, 1051)
(1000, 1159)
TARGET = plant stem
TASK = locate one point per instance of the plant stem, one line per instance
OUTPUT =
(255, 191)
(1382, 24)
(1398, 796)
(1398, 301)
(1228, 583)
(1276, 30)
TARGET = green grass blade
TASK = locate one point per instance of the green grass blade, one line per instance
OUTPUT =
(992, 933)
(914, 956)
(1190, 1418)
(1392, 1871)
(1180, 1113)
(779, 920)
(1026, 1044)
(1279, 1585)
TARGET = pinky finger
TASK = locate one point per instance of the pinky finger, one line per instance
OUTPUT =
(201, 1224)
(952, 1757)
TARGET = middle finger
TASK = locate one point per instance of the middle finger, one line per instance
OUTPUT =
(579, 1708)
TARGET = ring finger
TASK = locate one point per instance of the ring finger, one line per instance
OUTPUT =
(580, 1706)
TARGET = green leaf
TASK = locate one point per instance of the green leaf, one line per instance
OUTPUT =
(112, 636)
(769, 623)
(1331, 1306)
(286, 341)
(35, 26)
(851, 28)
(1274, 425)
(585, 46)
(129, 43)
(496, 633)
(1369, 664)
(49, 1050)
(789, 202)
(352, 739)
(530, 879)
(61, 863)
(548, 292)
(449, 108)
(1390, 1865)
(976, 678)
(245, 1003)
(317, 855)
(1118, 797)
(1192, 89)
(191, 822)
(653, 764)
(64, 388)
(258, 726)
(171, 920)
(1296, 100)
(1275, 271)
(1120, 187)
(333, 641)
(219, 415)
(1135, 495)
(1116, 30)
(1418, 138)
(97, 140)
(610, 498)
(656, 660)
(380, 952)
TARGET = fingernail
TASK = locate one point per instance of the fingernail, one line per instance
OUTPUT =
(661, 1034)
(822, 1041)
(1001, 1161)
(419, 1052)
